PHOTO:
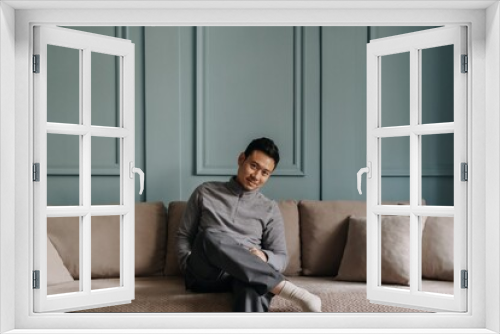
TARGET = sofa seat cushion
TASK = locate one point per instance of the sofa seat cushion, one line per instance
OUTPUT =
(167, 294)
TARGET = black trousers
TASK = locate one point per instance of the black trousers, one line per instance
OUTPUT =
(217, 263)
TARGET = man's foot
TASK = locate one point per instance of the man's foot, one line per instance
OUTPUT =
(307, 301)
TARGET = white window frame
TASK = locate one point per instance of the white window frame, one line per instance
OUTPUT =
(483, 124)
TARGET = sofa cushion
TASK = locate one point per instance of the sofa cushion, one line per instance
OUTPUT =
(437, 248)
(323, 229)
(149, 242)
(353, 264)
(174, 214)
(395, 235)
(150, 238)
(56, 271)
(290, 215)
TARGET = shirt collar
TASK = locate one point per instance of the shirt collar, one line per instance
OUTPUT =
(238, 190)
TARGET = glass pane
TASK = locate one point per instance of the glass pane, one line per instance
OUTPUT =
(105, 171)
(395, 252)
(63, 85)
(106, 245)
(63, 170)
(63, 255)
(437, 84)
(437, 169)
(105, 89)
(437, 255)
(395, 89)
(395, 177)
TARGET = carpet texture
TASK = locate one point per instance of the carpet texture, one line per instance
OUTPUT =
(167, 294)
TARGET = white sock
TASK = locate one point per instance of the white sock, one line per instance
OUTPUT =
(307, 301)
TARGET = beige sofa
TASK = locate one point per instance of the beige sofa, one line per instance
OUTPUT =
(326, 246)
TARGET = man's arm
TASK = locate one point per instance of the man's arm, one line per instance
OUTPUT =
(274, 242)
(188, 229)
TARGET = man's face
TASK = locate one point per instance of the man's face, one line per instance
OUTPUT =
(254, 170)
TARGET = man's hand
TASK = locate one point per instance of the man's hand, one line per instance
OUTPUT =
(257, 252)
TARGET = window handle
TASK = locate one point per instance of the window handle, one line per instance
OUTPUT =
(133, 170)
(368, 171)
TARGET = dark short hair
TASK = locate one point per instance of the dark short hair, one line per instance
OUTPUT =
(265, 145)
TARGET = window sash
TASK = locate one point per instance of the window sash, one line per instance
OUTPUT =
(413, 43)
(86, 43)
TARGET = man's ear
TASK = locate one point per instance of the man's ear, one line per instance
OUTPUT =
(241, 158)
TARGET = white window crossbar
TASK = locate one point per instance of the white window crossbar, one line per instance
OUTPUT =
(423, 129)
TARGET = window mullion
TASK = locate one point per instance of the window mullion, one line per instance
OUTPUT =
(86, 165)
(414, 169)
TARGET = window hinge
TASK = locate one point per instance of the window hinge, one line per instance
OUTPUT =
(464, 171)
(36, 279)
(465, 64)
(465, 279)
(36, 172)
(36, 63)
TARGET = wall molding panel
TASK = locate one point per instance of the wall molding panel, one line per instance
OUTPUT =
(211, 124)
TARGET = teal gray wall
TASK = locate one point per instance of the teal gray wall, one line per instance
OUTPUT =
(202, 93)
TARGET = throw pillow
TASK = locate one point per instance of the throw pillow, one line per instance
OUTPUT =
(437, 249)
(56, 270)
(395, 251)
(323, 233)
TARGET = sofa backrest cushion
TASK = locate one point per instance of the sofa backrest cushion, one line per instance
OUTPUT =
(290, 215)
(174, 214)
(323, 229)
(105, 237)
(150, 238)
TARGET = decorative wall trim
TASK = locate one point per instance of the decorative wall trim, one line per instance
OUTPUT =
(297, 166)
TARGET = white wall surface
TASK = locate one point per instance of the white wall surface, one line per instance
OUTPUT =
(492, 163)
(7, 167)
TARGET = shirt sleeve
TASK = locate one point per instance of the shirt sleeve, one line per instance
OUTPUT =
(188, 228)
(274, 242)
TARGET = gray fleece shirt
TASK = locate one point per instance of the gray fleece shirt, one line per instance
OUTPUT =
(249, 217)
